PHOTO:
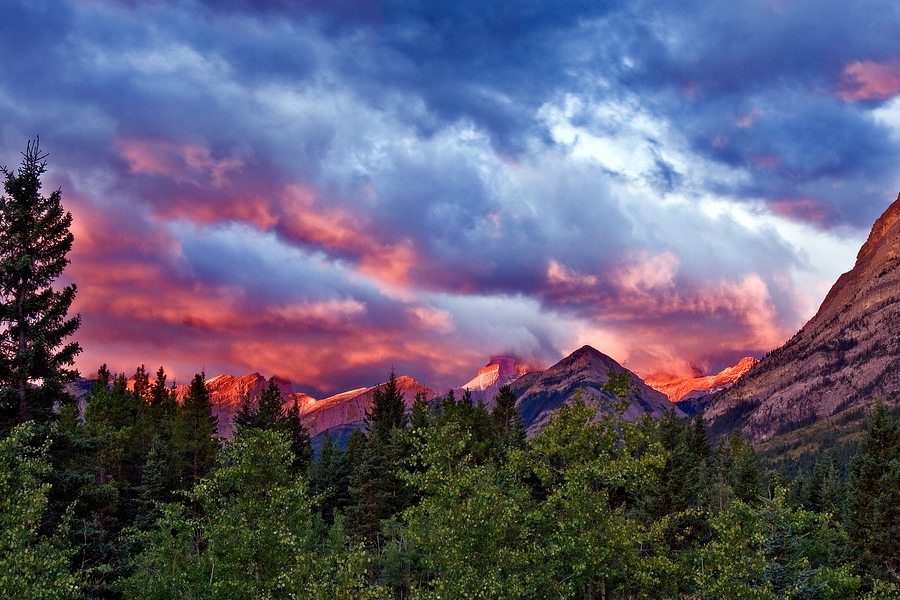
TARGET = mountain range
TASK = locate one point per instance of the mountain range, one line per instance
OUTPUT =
(540, 393)
(829, 373)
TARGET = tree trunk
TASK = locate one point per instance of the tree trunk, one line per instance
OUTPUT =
(21, 376)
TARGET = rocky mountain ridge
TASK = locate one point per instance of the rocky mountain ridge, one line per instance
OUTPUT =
(679, 389)
(587, 370)
(846, 356)
(540, 393)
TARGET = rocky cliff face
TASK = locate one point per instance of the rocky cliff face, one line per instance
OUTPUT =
(697, 387)
(586, 369)
(227, 392)
(847, 355)
(349, 408)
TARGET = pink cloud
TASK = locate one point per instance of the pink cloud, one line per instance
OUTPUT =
(868, 80)
(766, 161)
(654, 321)
(748, 120)
(804, 210)
(185, 163)
(565, 280)
(139, 307)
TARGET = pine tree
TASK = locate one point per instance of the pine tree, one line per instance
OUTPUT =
(301, 444)
(141, 386)
(740, 468)
(269, 414)
(873, 497)
(330, 480)
(388, 411)
(163, 405)
(195, 431)
(507, 419)
(376, 486)
(34, 242)
(420, 414)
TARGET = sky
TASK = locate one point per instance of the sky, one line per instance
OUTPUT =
(325, 190)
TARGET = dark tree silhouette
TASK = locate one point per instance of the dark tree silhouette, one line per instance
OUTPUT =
(34, 242)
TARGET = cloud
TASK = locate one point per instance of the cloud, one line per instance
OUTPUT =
(324, 190)
(867, 80)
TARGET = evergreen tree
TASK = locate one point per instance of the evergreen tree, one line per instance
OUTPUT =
(675, 490)
(141, 386)
(420, 414)
(376, 487)
(388, 411)
(195, 431)
(740, 468)
(269, 414)
(507, 420)
(163, 405)
(301, 444)
(330, 480)
(158, 391)
(873, 498)
(159, 481)
(34, 242)
(824, 489)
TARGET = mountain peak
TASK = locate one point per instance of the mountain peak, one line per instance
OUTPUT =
(880, 230)
(587, 369)
(500, 371)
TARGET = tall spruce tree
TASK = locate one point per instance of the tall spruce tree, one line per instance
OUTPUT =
(376, 486)
(195, 432)
(873, 498)
(388, 409)
(507, 420)
(34, 242)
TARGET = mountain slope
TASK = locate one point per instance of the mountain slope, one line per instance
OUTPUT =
(846, 356)
(349, 408)
(586, 369)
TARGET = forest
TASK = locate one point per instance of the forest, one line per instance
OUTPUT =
(140, 499)
(134, 495)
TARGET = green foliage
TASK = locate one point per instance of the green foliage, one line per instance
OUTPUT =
(547, 523)
(507, 420)
(330, 480)
(766, 551)
(472, 521)
(376, 486)
(454, 506)
(32, 565)
(873, 498)
(740, 468)
(388, 410)
(194, 432)
(254, 536)
(267, 413)
(34, 242)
